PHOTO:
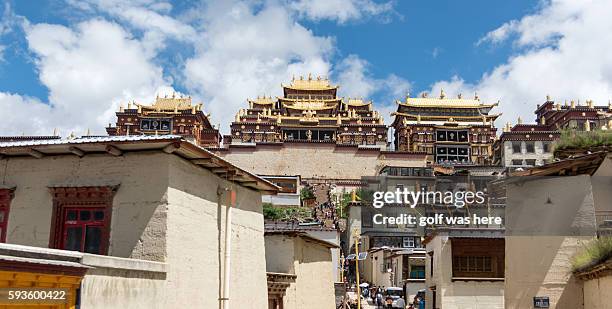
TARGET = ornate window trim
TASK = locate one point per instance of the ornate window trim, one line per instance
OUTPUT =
(6, 196)
(81, 197)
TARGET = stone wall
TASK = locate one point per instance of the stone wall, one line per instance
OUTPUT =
(538, 155)
(138, 220)
(457, 294)
(196, 222)
(165, 209)
(597, 293)
(311, 262)
(317, 160)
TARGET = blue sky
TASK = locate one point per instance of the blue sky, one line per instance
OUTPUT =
(69, 64)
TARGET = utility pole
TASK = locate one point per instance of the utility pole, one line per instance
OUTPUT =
(356, 235)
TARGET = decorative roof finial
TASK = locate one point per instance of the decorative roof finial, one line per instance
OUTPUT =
(459, 96)
(547, 98)
(442, 94)
(520, 120)
(309, 76)
(476, 97)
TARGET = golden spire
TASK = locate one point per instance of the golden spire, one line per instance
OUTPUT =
(547, 98)
(572, 104)
(121, 107)
(519, 120)
(442, 94)
(590, 103)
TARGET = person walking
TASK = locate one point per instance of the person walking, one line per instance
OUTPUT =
(379, 299)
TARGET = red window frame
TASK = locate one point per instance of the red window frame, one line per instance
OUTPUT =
(84, 223)
(86, 199)
(6, 196)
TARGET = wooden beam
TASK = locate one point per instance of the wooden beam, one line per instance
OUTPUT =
(220, 170)
(248, 182)
(207, 161)
(113, 150)
(76, 151)
(172, 147)
(36, 154)
(201, 161)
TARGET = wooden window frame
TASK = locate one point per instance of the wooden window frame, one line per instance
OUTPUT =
(6, 196)
(81, 197)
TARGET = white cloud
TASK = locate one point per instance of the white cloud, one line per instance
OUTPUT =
(88, 71)
(356, 81)
(342, 10)
(563, 51)
(247, 52)
(241, 49)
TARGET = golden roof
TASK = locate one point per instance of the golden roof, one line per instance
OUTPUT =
(170, 104)
(263, 100)
(310, 83)
(311, 104)
(447, 103)
(357, 102)
(443, 101)
(494, 116)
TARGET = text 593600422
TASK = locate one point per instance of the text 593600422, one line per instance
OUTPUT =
(25, 296)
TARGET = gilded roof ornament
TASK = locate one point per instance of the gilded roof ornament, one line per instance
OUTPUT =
(520, 120)
(442, 94)
(459, 96)
(547, 98)
(476, 97)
